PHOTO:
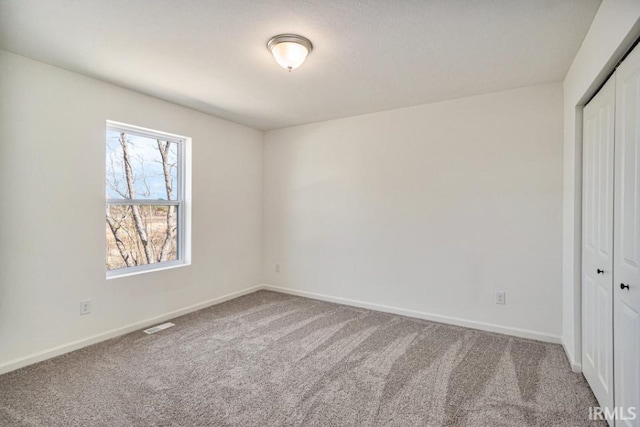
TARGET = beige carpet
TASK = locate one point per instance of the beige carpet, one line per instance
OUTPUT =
(269, 359)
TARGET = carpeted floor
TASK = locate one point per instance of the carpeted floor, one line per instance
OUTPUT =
(269, 359)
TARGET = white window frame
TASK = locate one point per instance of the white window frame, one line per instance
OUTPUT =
(183, 200)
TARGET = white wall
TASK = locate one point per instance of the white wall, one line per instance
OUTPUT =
(369, 202)
(430, 208)
(52, 232)
(614, 28)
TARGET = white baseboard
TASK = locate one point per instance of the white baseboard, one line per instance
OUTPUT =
(12, 365)
(75, 345)
(517, 332)
(575, 367)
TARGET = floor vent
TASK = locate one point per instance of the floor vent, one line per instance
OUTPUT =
(158, 328)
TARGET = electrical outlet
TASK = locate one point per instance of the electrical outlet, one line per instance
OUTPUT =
(500, 297)
(85, 307)
(277, 268)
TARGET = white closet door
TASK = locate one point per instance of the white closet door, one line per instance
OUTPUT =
(627, 240)
(597, 244)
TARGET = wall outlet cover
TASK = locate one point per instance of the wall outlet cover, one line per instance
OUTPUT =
(85, 307)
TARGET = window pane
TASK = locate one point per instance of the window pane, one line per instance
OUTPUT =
(140, 235)
(140, 167)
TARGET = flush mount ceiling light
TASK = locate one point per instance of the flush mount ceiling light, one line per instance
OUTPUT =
(289, 50)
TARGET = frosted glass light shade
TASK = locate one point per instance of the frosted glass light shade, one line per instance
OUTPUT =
(289, 55)
(289, 50)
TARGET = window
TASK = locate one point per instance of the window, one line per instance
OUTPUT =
(146, 217)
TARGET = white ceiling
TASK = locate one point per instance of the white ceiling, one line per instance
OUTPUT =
(369, 55)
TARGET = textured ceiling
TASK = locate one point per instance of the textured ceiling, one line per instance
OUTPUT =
(369, 55)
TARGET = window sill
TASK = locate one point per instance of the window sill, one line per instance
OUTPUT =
(149, 268)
